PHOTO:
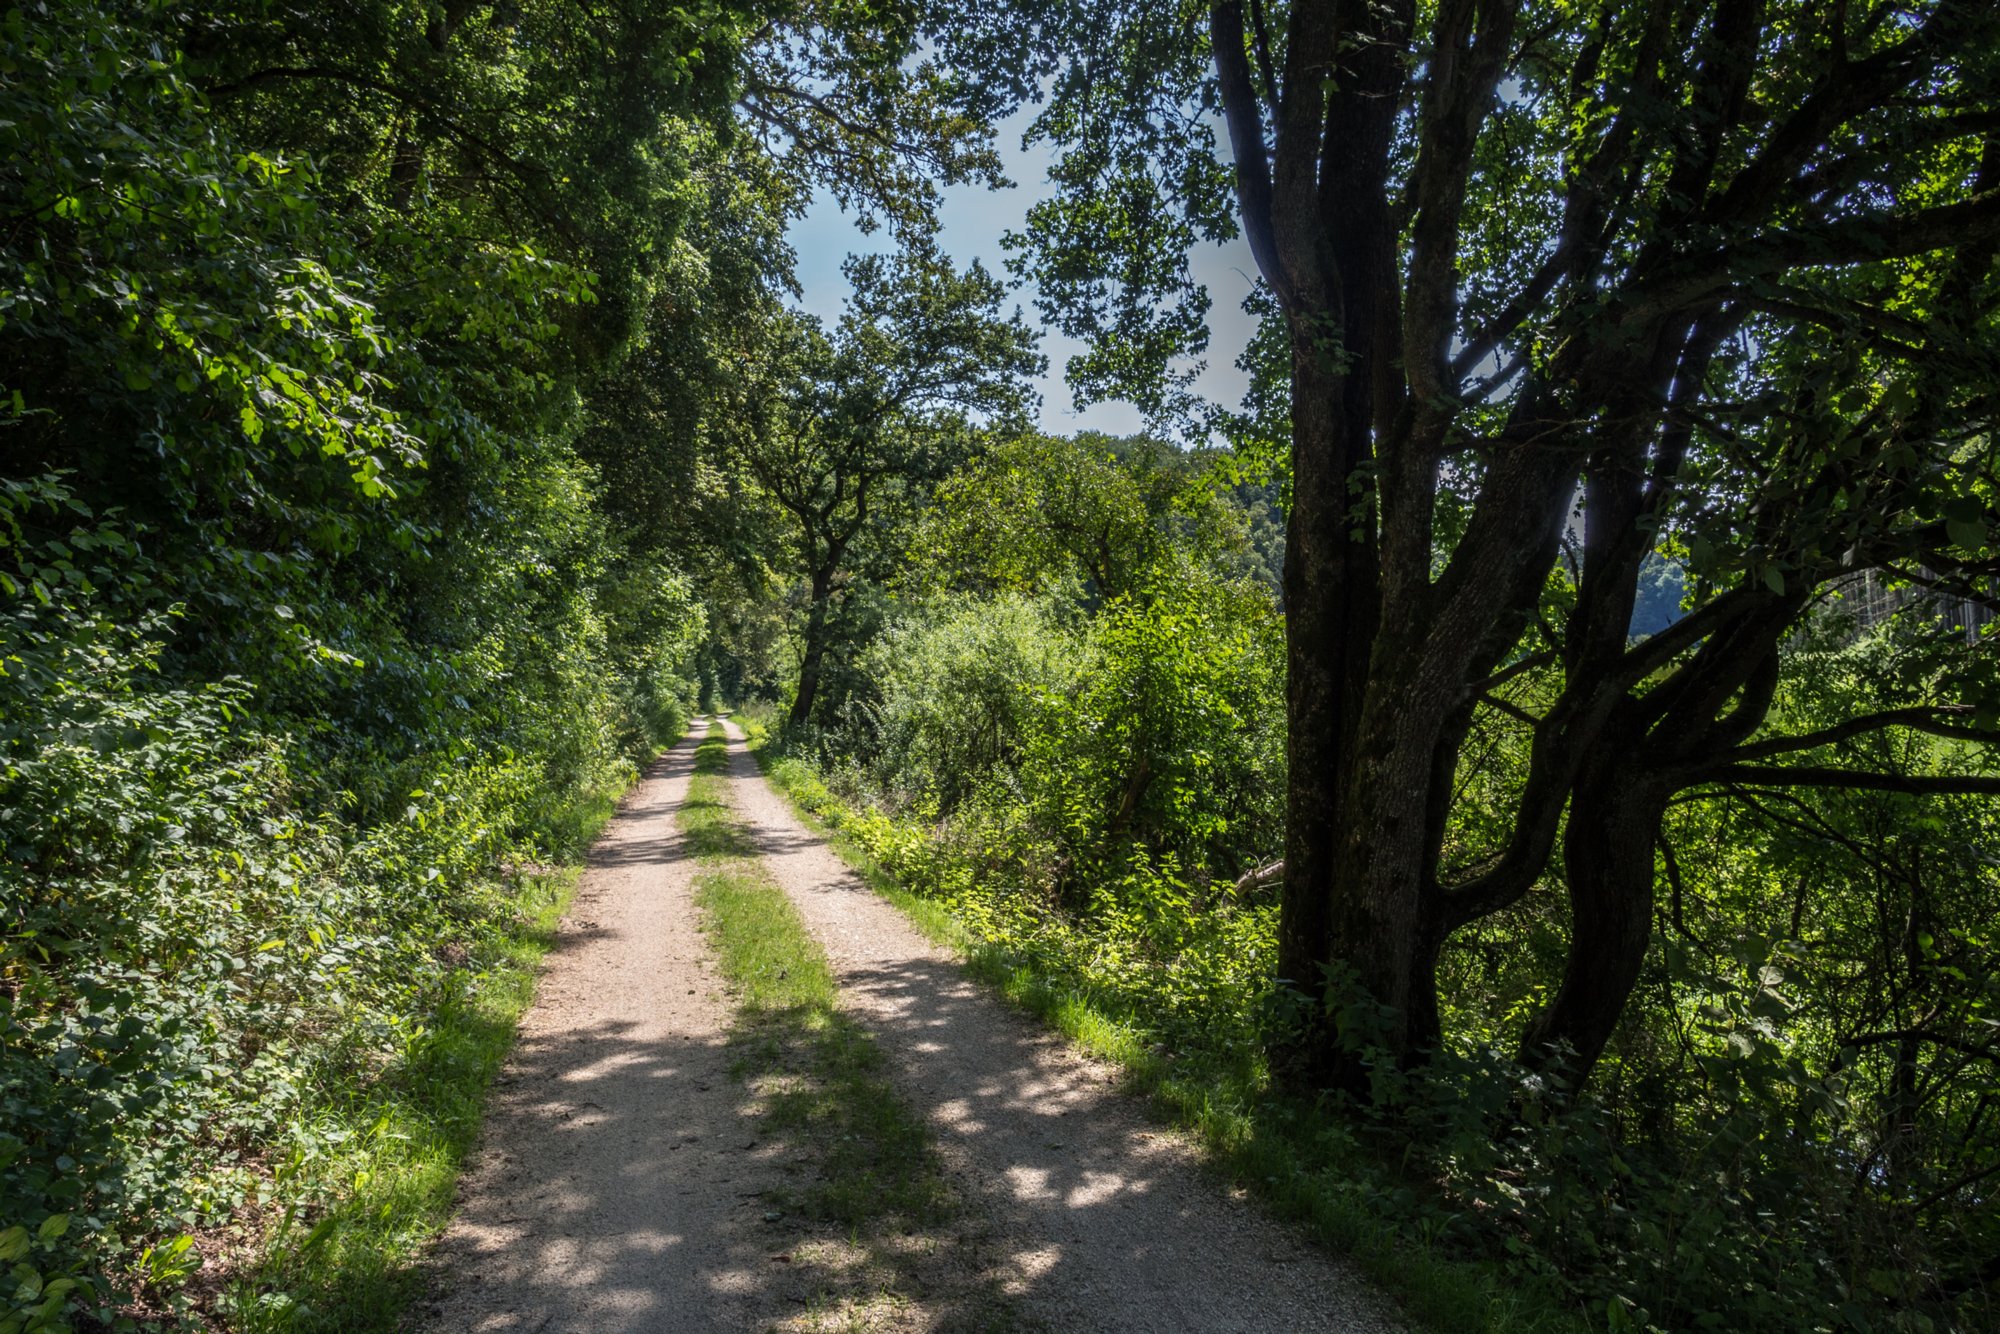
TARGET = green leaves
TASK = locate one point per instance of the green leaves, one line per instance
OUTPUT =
(207, 349)
(1138, 183)
(959, 682)
(290, 528)
(1968, 524)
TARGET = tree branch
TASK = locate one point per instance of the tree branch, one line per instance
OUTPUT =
(1857, 240)
(1514, 711)
(1467, 46)
(1583, 221)
(1852, 87)
(1261, 36)
(1512, 670)
(1922, 1035)
(1927, 718)
(1246, 142)
(1806, 775)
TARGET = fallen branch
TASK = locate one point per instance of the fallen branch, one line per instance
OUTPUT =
(1261, 877)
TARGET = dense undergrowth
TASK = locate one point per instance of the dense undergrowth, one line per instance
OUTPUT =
(205, 963)
(316, 652)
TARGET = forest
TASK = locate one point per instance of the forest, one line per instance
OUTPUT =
(1518, 786)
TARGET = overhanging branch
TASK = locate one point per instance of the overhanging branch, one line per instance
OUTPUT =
(1933, 720)
(1806, 775)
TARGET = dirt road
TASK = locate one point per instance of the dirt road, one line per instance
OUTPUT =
(610, 1192)
(614, 1189)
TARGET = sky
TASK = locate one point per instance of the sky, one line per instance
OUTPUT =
(973, 220)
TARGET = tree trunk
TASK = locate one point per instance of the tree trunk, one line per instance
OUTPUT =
(1614, 823)
(406, 163)
(1329, 626)
(1905, 1100)
(815, 650)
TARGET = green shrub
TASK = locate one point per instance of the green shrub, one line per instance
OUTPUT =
(1173, 739)
(958, 682)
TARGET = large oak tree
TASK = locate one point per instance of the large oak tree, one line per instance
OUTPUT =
(1713, 279)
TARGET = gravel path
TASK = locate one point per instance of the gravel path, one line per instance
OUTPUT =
(1111, 1222)
(613, 1189)
(618, 1184)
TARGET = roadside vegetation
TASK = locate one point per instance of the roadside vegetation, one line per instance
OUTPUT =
(338, 1238)
(315, 662)
(1082, 792)
(1217, 1088)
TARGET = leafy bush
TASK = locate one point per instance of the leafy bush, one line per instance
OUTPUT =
(958, 682)
(1171, 741)
(297, 650)
(1083, 790)
(188, 955)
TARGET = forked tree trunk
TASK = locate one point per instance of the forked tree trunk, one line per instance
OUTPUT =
(1608, 846)
(815, 650)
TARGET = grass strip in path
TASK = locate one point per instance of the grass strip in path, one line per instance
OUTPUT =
(891, 1244)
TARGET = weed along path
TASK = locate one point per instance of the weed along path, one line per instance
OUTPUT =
(751, 1096)
(1103, 1220)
